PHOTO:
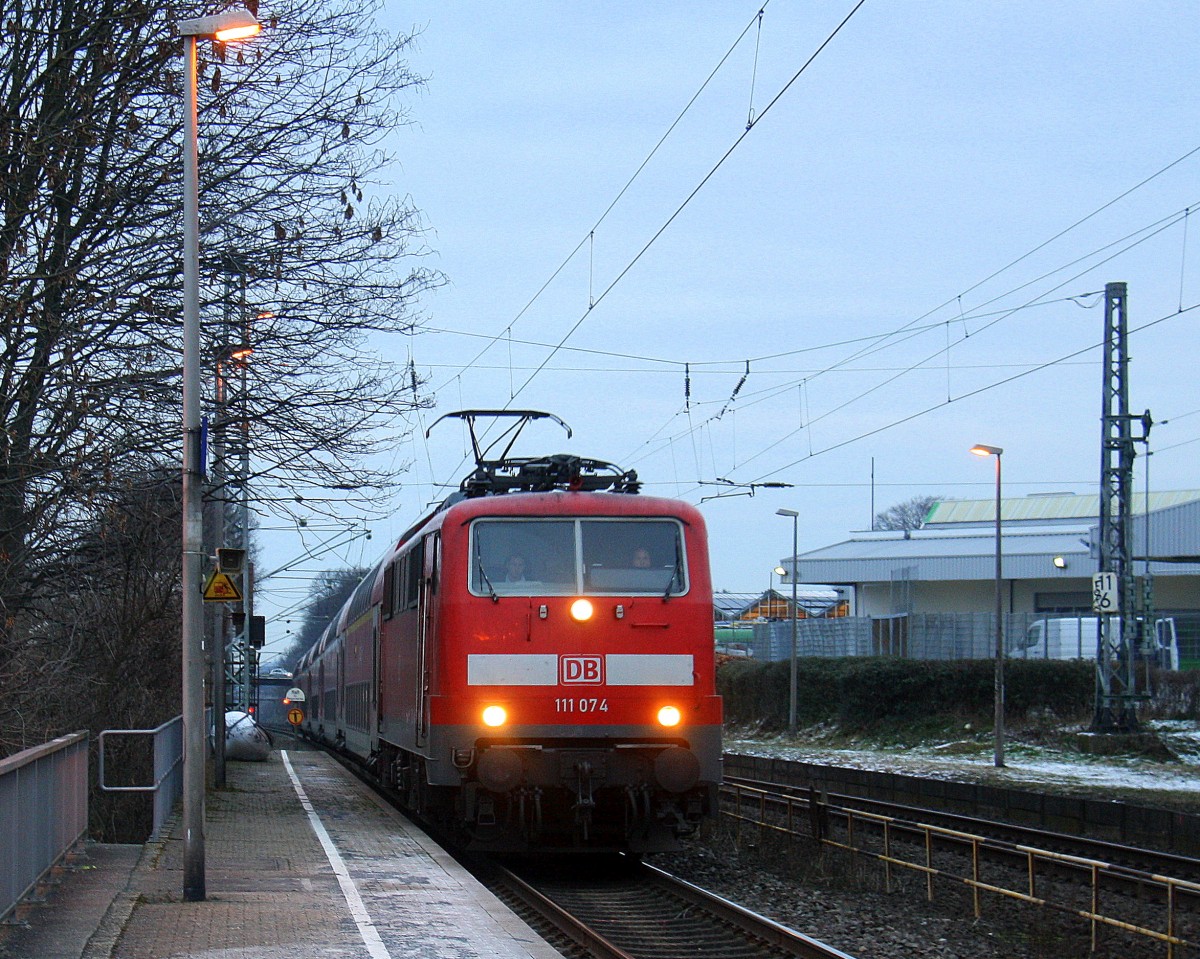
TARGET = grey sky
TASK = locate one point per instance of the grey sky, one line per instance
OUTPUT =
(930, 145)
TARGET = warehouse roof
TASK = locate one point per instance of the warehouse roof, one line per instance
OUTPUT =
(1044, 508)
(959, 554)
(958, 542)
(1174, 533)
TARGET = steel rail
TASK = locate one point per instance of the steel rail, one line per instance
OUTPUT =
(702, 905)
(1150, 860)
(573, 928)
(773, 932)
(1095, 869)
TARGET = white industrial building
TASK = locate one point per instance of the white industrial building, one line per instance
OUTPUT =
(948, 567)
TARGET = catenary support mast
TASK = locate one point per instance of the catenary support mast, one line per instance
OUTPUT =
(1117, 634)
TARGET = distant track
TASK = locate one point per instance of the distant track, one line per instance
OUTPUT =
(1140, 891)
(1133, 857)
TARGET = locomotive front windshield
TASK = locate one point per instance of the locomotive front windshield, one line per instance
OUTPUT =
(520, 557)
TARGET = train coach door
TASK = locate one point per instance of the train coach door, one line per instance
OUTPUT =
(426, 617)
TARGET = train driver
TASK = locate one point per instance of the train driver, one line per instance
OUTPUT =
(514, 570)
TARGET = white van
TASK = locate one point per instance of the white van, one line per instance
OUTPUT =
(1071, 637)
(1074, 637)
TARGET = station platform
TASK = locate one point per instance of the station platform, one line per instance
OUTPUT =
(302, 860)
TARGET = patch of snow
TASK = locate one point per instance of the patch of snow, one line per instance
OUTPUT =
(1025, 766)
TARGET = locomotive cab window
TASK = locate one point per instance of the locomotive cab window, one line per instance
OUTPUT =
(523, 557)
(526, 557)
(633, 556)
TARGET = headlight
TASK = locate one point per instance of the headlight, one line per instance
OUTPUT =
(495, 716)
(669, 716)
(581, 610)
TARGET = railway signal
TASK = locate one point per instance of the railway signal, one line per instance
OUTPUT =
(230, 560)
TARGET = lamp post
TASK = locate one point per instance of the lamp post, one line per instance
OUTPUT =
(981, 450)
(232, 25)
(795, 549)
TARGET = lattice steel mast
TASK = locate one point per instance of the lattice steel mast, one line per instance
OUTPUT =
(1117, 634)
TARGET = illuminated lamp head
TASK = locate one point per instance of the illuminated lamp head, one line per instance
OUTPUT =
(239, 32)
(669, 716)
(582, 610)
(495, 716)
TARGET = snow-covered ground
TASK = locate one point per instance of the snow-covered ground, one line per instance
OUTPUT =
(1035, 767)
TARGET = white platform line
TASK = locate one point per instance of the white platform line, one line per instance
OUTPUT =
(362, 919)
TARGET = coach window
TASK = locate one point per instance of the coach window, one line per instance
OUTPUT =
(435, 561)
(416, 564)
(389, 599)
(397, 584)
(634, 556)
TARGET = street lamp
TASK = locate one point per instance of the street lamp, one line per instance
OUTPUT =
(795, 550)
(980, 450)
(231, 25)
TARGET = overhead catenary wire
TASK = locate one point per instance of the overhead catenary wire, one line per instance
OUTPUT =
(629, 266)
(691, 196)
(756, 21)
(905, 332)
(589, 237)
(699, 401)
(964, 396)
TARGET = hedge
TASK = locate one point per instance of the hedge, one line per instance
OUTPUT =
(860, 691)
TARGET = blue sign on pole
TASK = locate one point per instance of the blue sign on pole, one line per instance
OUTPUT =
(202, 459)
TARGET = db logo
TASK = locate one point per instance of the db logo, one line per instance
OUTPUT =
(580, 670)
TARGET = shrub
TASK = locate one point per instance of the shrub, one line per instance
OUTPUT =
(862, 691)
(1175, 695)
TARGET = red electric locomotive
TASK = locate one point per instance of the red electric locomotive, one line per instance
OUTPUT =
(532, 664)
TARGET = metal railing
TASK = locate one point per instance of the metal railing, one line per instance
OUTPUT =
(43, 812)
(779, 812)
(912, 636)
(168, 767)
(1029, 635)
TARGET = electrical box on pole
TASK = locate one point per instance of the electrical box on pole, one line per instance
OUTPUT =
(258, 631)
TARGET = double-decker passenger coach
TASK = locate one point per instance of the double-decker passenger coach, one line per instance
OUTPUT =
(532, 664)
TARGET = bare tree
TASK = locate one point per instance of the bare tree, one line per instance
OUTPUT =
(306, 256)
(101, 653)
(326, 597)
(907, 515)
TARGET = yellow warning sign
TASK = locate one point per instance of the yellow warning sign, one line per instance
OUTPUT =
(221, 589)
(295, 716)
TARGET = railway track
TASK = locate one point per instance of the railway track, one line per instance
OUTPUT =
(1133, 858)
(596, 908)
(1142, 892)
(635, 911)
(624, 909)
